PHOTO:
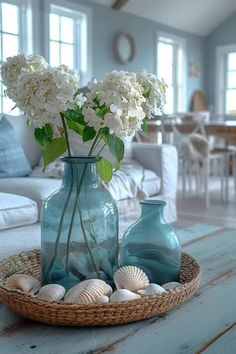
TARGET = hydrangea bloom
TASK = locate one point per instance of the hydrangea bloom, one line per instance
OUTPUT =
(17, 65)
(43, 95)
(153, 90)
(121, 96)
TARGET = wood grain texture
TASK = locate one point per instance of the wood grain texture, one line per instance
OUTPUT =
(184, 330)
(118, 4)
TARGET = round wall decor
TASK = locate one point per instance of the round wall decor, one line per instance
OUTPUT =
(124, 47)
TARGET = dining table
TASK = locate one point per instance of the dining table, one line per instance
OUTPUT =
(224, 129)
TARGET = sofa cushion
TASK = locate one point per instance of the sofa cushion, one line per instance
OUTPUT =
(16, 211)
(13, 162)
(37, 189)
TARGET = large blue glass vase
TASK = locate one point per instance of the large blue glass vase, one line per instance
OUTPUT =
(79, 232)
(152, 245)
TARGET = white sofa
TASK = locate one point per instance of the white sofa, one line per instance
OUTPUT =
(160, 159)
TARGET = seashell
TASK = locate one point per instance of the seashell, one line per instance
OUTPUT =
(102, 299)
(86, 292)
(51, 292)
(172, 285)
(152, 289)
(131, 278)
(108, 290)
(23, 282)
(123, 295)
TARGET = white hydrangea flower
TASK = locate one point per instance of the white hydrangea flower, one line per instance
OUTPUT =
(121, 94)
(18, 65)
(154, 91)
(43, 95)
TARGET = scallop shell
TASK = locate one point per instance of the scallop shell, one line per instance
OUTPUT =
(131, 278)
(51, 292)
(23, 282)
(152, 289)
(172, 285)
(102, 299)
(86, 292)
(123, 295)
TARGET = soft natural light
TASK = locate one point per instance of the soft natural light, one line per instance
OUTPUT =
(230, 96)
(62, 40)
(170, 68)
(10, 45)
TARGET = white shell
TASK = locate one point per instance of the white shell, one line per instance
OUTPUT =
(23, 282)
(152, 289)
(108, 290)
(131, 278)
(102, 299)
(123, 295)
(51, 292)
(86, 292)
(172, 285)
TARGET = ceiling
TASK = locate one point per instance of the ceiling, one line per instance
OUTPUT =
(198, 17)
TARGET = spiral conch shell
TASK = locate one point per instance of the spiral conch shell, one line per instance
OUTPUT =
(123, 295)
(87, 292)
(23, 282)
(131, 278)
(51, 292)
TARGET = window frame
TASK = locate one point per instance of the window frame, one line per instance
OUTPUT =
(221, 77)
(177, 42)
(25, 32)
(85, 47)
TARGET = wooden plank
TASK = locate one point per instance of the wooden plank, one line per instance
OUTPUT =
(118, 4)
(224, 342)
(189, 326)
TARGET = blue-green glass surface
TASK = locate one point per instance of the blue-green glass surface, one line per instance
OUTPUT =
(79, 231)
(152, 245)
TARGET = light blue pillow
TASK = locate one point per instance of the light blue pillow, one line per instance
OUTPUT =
(13, 162)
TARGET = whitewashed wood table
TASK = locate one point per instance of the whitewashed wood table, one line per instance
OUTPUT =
(206, 324)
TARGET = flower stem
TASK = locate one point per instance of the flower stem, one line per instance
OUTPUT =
(66, 134)
(94, 143)
(48, 272)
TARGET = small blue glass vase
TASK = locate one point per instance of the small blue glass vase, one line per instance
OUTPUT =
(79, 228)
(152, 245)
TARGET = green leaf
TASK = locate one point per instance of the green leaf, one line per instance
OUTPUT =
(104, 134)
(117, 166)
(48, 130)
(146, 94)
(116, 146)
(101, 113)
(75, 114)
(88, 133)
(41, 137)
(76, 127)
(144, 125)
(104, 168)
(54, 149)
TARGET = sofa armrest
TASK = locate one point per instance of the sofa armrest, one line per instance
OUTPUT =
(162, 159)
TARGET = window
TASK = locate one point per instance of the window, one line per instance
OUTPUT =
(170, 67)
(226, 80)
(68, 38)
(14, 37)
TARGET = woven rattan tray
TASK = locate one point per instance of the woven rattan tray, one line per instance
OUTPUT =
(62, 314)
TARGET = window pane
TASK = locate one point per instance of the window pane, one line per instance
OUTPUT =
(8, 106)
(230, 102)
(10, 45)
(67, 55)
(231, 79)
(169, 106)
(54, 54)
(232, 61)
(165, 53)
(67, 29)
(54, 27)
(165, 71)
(10, 18)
